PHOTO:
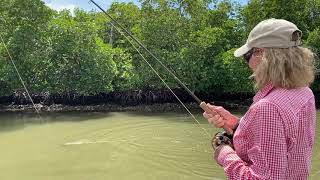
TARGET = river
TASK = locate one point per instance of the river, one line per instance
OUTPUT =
(103, 146)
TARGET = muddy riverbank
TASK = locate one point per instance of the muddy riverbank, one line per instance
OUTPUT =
(164, 107)
(141, 100)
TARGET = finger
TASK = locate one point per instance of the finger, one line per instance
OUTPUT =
(213, 119)
(228, 130)
(220, 110)
(219, 119)
(210, 111)
(207, 116)
(212, 107)
(223, 112)
(219, 122)
(206, 108)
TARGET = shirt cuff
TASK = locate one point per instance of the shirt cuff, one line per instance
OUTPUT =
(225, 151)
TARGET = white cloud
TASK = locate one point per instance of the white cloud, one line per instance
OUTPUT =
(59, 7)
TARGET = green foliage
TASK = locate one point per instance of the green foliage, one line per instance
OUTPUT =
(201, 65)
(82, 52)
(65, 56)
(313, 40)
(22, 25)
(304, 13)
(79, 61)
(236, 73)
(128, 15)
(162, 32)
(6, 88)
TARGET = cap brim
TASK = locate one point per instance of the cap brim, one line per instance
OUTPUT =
(241, 51)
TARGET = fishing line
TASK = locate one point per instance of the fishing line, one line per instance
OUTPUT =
(80, 142)
(202, 104)
(21, 80)
(146, 61)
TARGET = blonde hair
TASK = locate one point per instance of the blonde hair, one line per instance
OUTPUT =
(287, 68)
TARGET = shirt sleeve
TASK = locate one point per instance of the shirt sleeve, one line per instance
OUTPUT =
(268, 151)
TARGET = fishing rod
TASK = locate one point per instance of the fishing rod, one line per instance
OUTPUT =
(201, 103)
(17, 71)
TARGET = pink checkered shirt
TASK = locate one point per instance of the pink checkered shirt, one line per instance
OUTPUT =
(274, 139)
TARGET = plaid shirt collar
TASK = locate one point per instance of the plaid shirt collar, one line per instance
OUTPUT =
(263, 92)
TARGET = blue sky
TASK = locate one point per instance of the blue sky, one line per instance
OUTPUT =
(84, 4)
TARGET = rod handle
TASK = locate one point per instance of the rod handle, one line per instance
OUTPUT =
(205, 107)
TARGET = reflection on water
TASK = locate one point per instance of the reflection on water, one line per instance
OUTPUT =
(109, 146)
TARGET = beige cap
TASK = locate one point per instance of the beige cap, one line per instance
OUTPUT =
(277, 33)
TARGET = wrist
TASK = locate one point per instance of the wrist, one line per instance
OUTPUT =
(234, 128)
(221, 152)
(233, 123)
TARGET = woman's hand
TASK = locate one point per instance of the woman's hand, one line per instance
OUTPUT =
(218, 150)
(221, 118)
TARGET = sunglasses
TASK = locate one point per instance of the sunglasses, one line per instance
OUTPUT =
(247, 56)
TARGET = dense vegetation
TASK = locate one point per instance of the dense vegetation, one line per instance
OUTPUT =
(81, 52)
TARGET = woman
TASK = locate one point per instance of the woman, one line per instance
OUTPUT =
(274, 139)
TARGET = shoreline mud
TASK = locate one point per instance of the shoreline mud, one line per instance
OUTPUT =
(157, 107)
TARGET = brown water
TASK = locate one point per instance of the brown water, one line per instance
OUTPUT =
(100, 146)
